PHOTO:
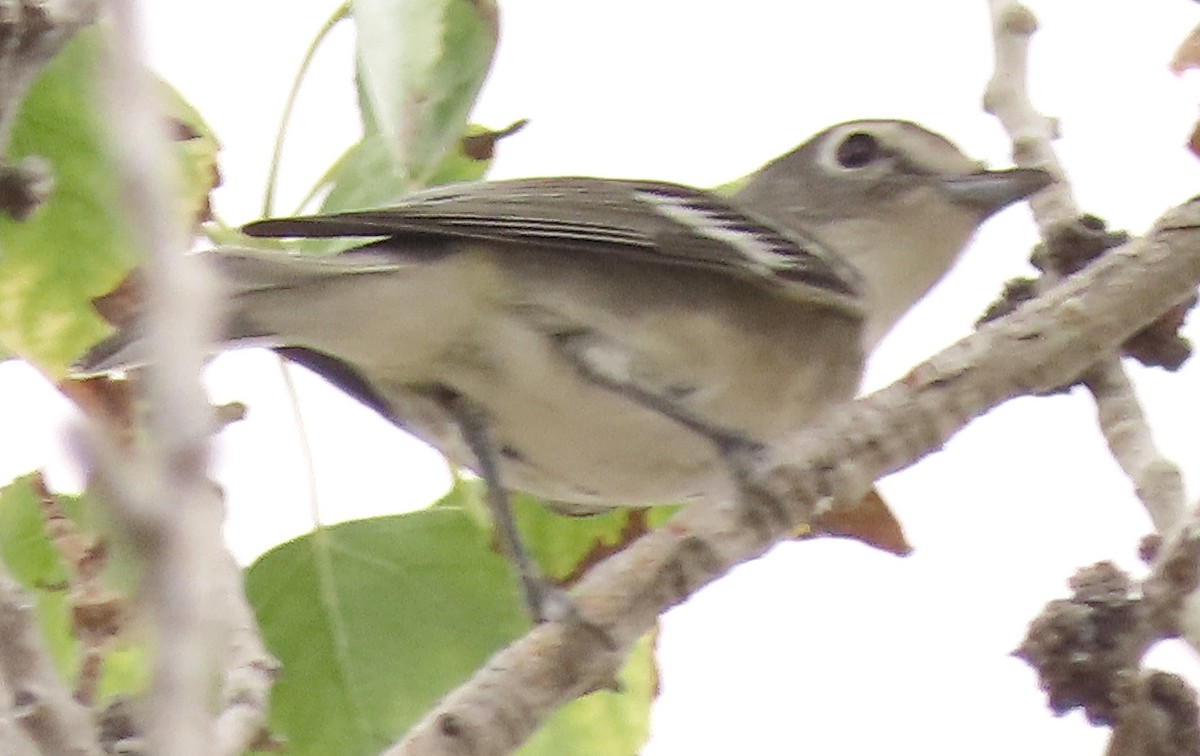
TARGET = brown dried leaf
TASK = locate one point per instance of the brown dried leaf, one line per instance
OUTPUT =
(1194, 141)
(871, 522)
(482, 146)
(121, 306)
(1188, 54)
(110, 402)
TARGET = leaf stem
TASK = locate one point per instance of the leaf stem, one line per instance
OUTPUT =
(273, 174)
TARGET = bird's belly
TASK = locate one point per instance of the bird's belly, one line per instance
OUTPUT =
(751, 364)
(563, 437)
(490, 328)
(557, 435)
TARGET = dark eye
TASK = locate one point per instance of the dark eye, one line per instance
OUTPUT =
(857, 150)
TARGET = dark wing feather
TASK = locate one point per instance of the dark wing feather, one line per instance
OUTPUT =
(654, 221)
(342, 375)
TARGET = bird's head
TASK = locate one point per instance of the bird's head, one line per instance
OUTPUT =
(897, 201)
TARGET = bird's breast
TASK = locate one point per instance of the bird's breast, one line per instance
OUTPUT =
(727, 351)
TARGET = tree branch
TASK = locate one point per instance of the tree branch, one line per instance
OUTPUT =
(169, 508)
(1146, 707)
(42, 705)
(248, 670)
(1045, 343)
(1156, 479)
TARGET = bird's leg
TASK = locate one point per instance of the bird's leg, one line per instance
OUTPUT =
(607, 367)
(545, 601)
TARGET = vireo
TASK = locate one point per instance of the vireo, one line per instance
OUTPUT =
(599, 342)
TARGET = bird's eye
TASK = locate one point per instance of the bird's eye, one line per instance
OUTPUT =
(857, 150)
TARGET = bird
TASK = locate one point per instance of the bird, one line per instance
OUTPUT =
(604, 342)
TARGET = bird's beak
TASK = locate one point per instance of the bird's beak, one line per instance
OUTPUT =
(989, 191)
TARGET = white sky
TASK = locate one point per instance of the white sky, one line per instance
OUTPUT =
(822, 646)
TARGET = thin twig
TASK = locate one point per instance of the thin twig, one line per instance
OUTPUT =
(1171, 602)
(338, 15)
(1157, 480)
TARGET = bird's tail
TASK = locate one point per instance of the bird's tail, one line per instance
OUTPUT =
(242, 273)
(123, 350)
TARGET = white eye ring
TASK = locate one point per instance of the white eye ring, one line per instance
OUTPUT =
(857, 150)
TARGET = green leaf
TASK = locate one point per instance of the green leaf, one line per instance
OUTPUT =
(564, 545)
(366, 111)
(27, 553)
(197, 149)
(420, 65)
(375, 620)
(36, 564)
(365, 176)
(472, 154)
(75, 248)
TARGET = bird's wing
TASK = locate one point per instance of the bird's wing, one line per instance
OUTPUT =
(652, 221)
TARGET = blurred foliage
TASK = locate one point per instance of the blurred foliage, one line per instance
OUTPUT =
(74, 247)
(37, 564)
